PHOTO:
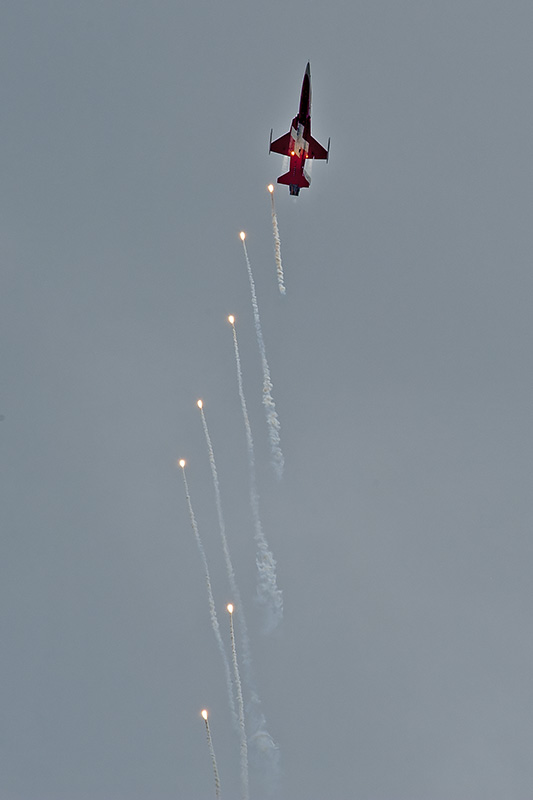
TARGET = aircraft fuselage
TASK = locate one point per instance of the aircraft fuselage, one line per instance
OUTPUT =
(298, 144)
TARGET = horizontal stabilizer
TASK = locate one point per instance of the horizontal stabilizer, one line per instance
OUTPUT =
(281, 145)
(292, 178)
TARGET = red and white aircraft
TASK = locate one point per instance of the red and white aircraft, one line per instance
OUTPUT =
(298, 144)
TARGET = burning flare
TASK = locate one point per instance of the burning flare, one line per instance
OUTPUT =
(211, 752)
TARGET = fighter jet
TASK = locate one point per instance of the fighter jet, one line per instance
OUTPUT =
(298, 144)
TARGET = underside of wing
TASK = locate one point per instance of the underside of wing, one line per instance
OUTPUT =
(281, 145)
(316, 150)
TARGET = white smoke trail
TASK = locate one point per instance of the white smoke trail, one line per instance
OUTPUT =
(277, 242)
(265, 746)
(211, 600)
(212, 752)
(268, 593)
(222, 526)
(268, 400)
(240, 704)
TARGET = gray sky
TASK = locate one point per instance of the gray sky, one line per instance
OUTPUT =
(133, 149)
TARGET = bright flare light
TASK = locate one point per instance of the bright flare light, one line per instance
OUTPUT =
(231, 319)
(204, 714)
(200, 403)
(230, 608)
(270, 188)
(182, 462)
(242, 235)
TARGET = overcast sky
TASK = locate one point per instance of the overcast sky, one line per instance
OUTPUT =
(134, 148)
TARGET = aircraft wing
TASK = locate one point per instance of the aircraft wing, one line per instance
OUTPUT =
(316, 150)
(281, 145)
